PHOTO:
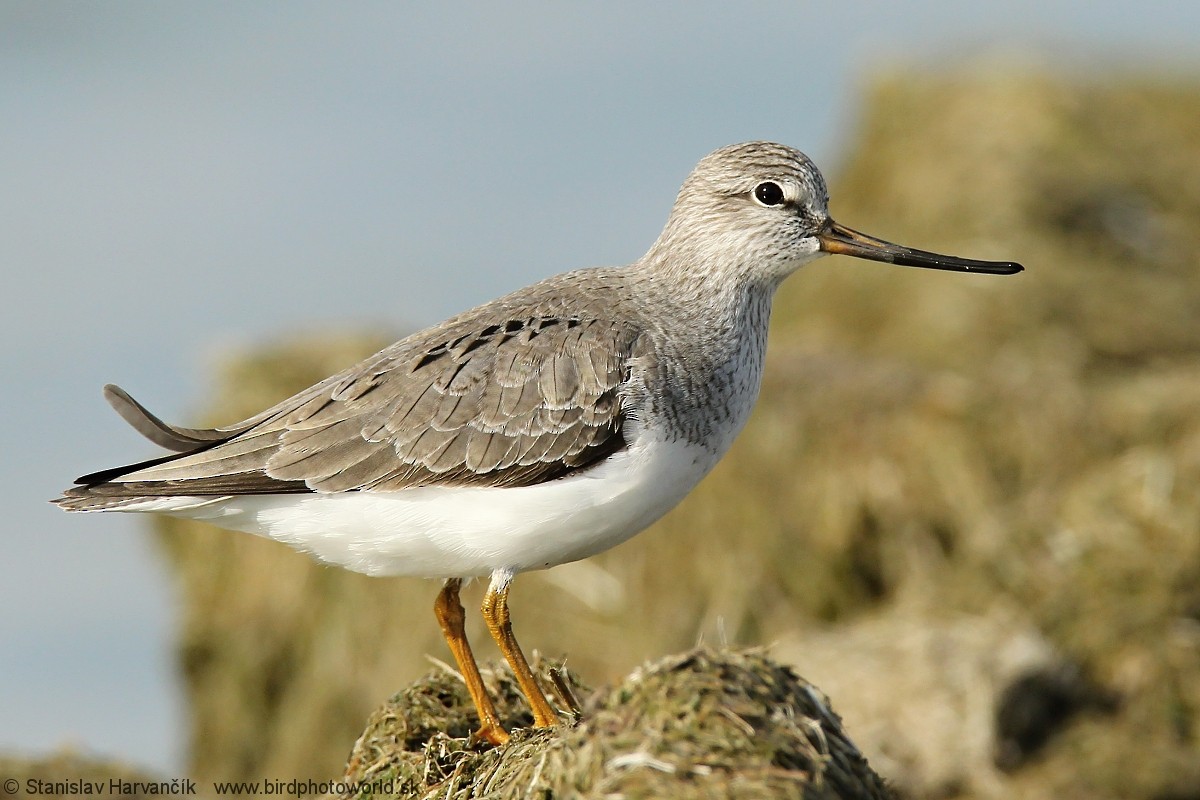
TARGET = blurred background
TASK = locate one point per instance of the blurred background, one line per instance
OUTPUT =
(184, 185)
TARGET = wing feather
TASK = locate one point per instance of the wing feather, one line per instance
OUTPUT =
(513, 403)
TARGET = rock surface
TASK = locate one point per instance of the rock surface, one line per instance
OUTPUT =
(704, 724)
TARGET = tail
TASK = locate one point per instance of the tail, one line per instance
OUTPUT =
(94, 492)
(82, 498)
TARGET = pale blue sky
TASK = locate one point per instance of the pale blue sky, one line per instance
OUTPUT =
(180, 178)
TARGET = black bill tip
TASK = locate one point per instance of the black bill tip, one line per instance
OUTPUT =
(840, 240)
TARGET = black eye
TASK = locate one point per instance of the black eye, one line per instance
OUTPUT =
(768, 193)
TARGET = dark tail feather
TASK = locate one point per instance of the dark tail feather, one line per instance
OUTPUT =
(163, 434)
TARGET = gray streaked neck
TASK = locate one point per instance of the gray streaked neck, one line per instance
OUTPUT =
(708, 339)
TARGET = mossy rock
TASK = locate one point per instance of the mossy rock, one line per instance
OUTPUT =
(707, 723)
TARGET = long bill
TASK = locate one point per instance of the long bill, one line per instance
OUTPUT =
(840, 240)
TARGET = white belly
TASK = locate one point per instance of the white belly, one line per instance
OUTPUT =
(441, 532)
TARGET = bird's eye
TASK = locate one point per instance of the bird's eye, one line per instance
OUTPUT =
(768, 193)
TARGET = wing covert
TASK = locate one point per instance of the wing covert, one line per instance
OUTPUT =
(509, 404)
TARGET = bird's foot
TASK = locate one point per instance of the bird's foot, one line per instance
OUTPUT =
(491, 732)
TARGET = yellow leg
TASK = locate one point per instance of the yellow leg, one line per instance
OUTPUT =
(450, 616)
(495, 614)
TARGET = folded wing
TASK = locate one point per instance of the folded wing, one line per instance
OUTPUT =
(510, 404)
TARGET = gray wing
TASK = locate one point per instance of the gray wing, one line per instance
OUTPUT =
(514, 403)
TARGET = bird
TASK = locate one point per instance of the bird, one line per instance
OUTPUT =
(540, 428)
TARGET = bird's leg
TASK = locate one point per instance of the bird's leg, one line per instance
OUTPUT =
(495, 614)
(450, 616)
